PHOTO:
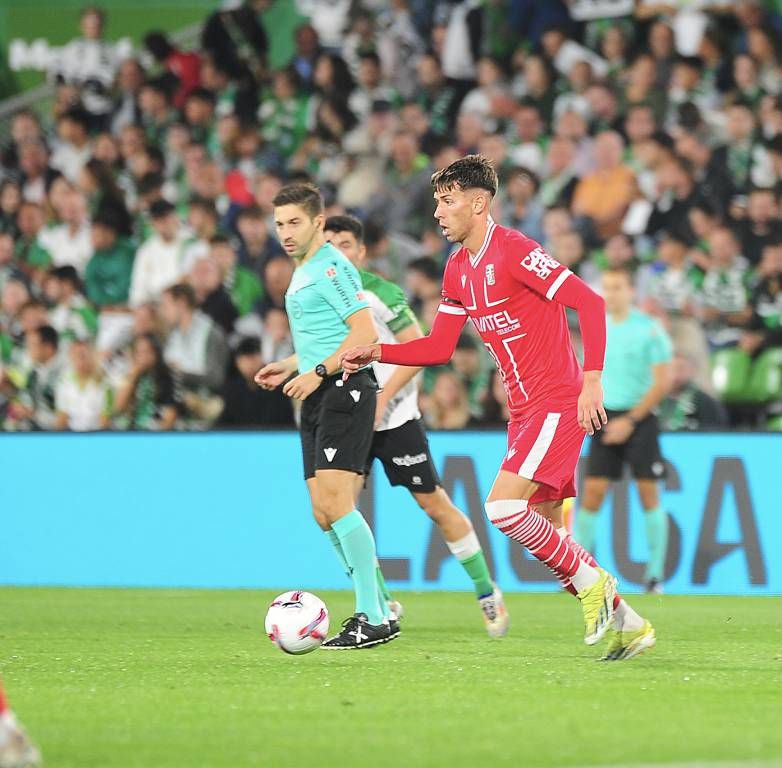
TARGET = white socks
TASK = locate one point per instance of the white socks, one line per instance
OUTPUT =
(626, 619)
(584, 577)
(465, 547)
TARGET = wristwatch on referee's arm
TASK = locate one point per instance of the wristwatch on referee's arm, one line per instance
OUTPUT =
(321, 370)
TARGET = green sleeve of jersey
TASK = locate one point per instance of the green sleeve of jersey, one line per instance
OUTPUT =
(660, 347)
(392, 296)
(340, 286)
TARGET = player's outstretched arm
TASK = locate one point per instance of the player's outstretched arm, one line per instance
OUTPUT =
(434, 349)
(576, 294)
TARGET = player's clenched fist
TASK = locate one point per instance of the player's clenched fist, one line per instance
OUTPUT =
(591, 413)
(356, 358)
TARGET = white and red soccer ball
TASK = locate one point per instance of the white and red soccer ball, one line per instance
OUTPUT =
(297, 622)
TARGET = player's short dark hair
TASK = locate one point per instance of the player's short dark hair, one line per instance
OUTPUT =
(346, 224)
(470, 172)
(304, 194)
(48, 336)
(183, 292)
(249, 345)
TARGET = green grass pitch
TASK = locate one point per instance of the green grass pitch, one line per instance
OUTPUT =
(164, 679)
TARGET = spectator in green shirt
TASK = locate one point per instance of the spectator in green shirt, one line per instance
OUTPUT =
(148, 398)
(284, 113)
(725, 291)
(107, 281)
(29, 255)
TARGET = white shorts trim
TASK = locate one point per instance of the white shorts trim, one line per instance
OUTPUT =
(555, 286)
(540, 446)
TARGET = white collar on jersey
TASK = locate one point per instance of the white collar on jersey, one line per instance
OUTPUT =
(491, 226)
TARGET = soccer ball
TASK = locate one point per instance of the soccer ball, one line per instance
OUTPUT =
(297, 622)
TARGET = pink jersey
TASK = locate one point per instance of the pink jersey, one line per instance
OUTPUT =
(506, 289)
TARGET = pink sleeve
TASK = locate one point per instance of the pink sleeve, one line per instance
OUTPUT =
(438, 346)
(434, 349)
(576, 294)
(531, 265)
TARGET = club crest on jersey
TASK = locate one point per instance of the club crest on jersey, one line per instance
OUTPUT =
(490, 280)
(331, 272)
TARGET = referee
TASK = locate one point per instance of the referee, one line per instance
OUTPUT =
(329, 314)
(636, 378)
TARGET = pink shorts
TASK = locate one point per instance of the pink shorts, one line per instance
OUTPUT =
(545, 447)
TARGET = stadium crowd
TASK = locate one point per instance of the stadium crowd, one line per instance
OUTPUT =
(141, 284)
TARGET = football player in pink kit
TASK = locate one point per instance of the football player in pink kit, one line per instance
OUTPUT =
(516, 294)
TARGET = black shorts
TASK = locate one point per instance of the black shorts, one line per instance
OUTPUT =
(404, 454)
(641, 452)
(337, 424)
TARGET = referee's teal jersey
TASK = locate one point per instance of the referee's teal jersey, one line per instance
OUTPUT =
(633, 347)
(324, 292)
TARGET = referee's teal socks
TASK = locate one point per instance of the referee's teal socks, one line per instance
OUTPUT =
(358, 547)
(334, 541)
(657, 539)
(585, 528)
(384, 595)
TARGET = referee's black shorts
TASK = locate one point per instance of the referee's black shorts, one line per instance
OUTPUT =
(641, 452)
(337, 424)
(405, 456)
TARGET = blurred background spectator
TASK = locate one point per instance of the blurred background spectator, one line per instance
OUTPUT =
(136, 220)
